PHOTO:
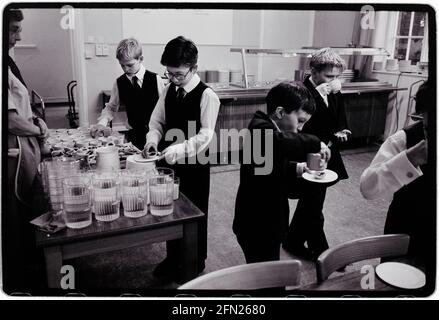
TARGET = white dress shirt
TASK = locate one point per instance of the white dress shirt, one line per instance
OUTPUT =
(324, 96)
(209, 112)
(112, 106)
(390, 170)
(18, 97)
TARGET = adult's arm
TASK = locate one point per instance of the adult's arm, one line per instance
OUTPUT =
(390, 169)
(20, 126)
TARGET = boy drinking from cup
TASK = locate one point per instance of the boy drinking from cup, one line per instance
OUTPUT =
(329, 124)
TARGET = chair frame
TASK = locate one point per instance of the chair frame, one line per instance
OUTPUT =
(260, 275)
(360, 249)
(72, 115)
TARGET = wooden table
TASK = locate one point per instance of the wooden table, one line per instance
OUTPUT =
(351, 281)
(125, 233)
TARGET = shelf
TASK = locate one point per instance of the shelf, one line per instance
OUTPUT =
(308, 51)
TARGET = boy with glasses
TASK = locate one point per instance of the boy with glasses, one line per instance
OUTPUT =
(137, 89)
(190, 107)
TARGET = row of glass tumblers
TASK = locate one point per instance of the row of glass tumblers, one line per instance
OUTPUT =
(102, 193)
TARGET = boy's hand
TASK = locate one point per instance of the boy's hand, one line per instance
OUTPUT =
(342, 135)
(418, 154)
(149, 147)
(170, 154)
(324, 89)
(43, 128)
(99, 130)
(325, 152)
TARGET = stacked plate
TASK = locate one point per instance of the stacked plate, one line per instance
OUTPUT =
(347, 75)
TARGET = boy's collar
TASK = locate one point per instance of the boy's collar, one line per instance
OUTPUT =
(188, 87)
(139, 74)
(312, 81)
(275, 124)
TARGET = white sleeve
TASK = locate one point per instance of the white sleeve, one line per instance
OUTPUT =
(11, 103)
(390, 169)
(111, 107)
(160, 85)
(209, 104)
(157, 121)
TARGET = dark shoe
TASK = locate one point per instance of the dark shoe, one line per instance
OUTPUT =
(166, 268)
(299, 251)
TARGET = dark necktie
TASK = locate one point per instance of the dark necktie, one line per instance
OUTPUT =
(136, 84)
(180, 94)
(15, 70)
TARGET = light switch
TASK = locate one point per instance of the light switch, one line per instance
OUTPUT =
(98, 50)
(105, 50)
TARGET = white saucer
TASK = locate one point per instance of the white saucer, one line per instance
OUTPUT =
(330, 176)
(141, 159)
(401, 275)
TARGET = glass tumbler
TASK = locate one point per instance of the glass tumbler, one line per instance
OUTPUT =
(134, 193)
(106, 195)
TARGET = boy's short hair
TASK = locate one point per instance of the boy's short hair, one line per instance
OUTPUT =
(324, 58)
(424, 98)
(291, 96)
(128, 49)
(15, 15)
(180, 52)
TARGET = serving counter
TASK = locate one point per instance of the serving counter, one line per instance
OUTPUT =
(366, 107)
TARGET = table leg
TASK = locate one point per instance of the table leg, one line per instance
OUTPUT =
(53, 256)
(189, 252)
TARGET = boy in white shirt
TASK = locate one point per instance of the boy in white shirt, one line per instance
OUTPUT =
(137, 89)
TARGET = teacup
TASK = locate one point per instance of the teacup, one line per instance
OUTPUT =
(335, 85)
(107, 158)
(316, 164)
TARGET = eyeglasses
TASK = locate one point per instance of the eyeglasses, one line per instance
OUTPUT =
(180, 77)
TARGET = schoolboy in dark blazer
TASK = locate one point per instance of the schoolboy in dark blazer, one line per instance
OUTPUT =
(262, 209)
(329, 124)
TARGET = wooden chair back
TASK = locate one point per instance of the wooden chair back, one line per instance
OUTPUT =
(260, 275)
(360, 249)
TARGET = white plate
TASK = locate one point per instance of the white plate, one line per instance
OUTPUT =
(141, 159)
(401, 275)
(330, 176)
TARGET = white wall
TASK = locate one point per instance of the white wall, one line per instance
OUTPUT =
(333, 28)
(47, 66)
(285, 30)
(107, 25)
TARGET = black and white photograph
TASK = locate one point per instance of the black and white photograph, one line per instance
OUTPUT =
(218, 150)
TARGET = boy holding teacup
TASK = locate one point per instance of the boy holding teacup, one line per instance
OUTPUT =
(329, 124)
(261, 209)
